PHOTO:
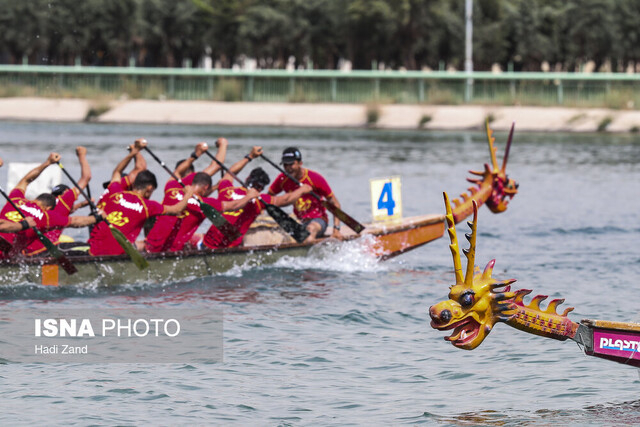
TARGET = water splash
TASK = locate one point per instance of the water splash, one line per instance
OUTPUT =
(346, 257)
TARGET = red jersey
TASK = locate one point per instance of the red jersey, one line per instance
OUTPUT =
(64, 205)
(126, 211)
(171, 233)
(242, 218)
(124, 184)
(306, 207)
(45, 220)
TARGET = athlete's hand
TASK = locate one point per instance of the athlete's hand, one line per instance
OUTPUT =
(253, 193)
(100, 215)
(139, 144)
(1, 163)
(53, 158)
(81, 151)
(305, 188)
(189, 191)
(222, 142)
(256, 151)
(201, 148)
(31, 221)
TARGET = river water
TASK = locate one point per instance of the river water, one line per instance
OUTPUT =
(338, 339)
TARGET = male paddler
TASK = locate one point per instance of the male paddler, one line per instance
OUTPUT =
(307, 208)
(41, 210)
(65, 199)
(171, 233)
(127, 207)
(7, 226)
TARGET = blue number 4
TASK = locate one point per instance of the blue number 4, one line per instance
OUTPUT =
(389, 203)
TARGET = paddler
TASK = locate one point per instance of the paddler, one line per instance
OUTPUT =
(171, 233)
(7, 226)
(243, 218)
(65, 199)
(118, 175)
(41, 210)
(307, 208)
(127, 207)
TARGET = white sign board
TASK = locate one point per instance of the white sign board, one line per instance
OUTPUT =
(48, 179)
(386, 198)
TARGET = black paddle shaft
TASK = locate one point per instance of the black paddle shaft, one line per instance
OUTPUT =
(164, 166)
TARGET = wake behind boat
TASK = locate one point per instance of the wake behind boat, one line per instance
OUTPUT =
(265, 243)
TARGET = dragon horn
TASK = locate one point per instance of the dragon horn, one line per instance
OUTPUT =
(492, 148)
(471, 252)
(455, 252)
(506, 150)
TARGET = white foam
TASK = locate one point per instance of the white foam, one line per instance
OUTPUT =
(352, 256)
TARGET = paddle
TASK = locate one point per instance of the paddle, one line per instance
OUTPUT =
(288, 224)
(122, 240)
(53, 250)
(220, 222)
(342, 215)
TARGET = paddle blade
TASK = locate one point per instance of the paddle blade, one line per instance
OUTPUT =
(344, 217)
(288, 224)
(55, 252)
(220, 222)
(129, 249)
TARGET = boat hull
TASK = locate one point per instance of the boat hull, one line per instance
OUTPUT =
(388, 240)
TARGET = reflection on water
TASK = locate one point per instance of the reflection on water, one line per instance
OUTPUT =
(340, 339)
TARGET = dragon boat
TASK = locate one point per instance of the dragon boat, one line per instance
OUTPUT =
(265, 243)
(477, 302)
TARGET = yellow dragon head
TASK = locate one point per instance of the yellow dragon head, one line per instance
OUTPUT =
(503, 188)
(475, 303)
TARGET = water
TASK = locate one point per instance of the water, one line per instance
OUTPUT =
(337, 339)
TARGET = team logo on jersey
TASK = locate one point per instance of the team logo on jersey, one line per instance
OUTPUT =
(14, 216)
(303, 204)
(116, 218)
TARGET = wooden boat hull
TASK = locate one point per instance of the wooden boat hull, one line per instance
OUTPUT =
(388, 240)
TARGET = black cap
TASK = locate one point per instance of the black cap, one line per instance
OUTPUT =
(290, 155)
(59, 189)
(258, 179)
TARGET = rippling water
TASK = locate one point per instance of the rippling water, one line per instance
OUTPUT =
(339, 339)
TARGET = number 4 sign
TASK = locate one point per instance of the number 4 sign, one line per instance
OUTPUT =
(386, 198)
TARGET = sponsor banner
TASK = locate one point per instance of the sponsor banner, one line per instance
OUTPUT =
(147, 335)
(619, 344)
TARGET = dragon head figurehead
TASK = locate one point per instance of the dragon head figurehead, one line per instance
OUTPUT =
(492, 186)
(503, 188)
(476, 302)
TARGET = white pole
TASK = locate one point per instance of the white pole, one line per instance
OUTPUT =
(468, 61)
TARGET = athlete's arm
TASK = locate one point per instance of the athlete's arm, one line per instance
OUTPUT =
(221, 155)
(234, 205)
(34, 173)
(180, 206)
(85, 170)
(289, 198)
(183, 167)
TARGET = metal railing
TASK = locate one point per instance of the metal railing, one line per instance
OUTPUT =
(614, 90)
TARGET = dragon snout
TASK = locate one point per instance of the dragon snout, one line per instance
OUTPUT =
(441, 317)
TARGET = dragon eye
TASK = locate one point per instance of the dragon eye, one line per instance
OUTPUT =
(467, 299)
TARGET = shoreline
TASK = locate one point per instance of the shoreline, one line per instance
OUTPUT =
(390, 116)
